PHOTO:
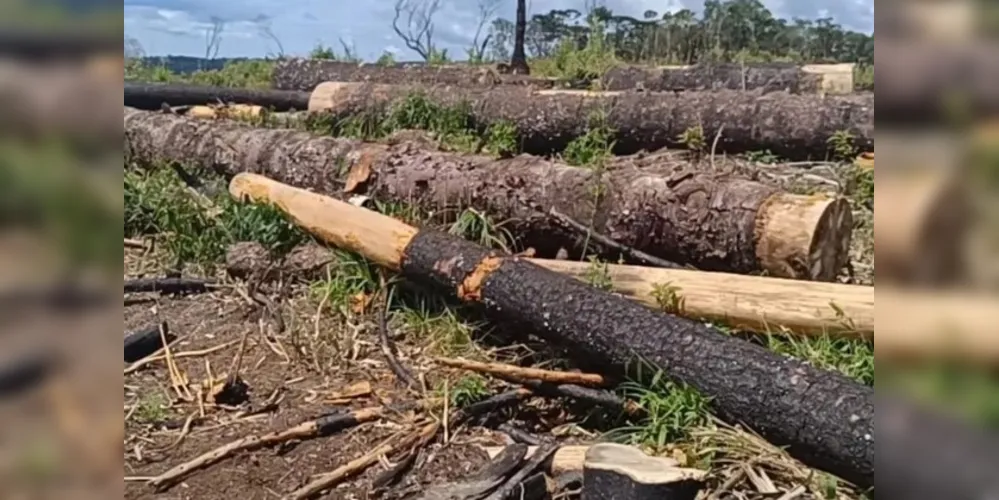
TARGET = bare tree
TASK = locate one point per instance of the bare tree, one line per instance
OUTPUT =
(518, 62)
(133, 49)
(487, 11)
(418, 34)
(213, 38)
(263, 23)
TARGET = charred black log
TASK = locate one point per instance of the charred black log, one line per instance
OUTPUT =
(152, 96)
(146, 341)
(618, 472)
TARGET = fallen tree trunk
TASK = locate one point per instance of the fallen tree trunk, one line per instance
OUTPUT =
(307, 74)
(792, 126)
(826, 419)
(765, 77)
(150, 96)
(710, 222)
(928, 82)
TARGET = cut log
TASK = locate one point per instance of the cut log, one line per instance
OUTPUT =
(618, 472)
(792, 126)
(774, 395)
(152, 96)
(749, 302)
(922, 227)
(922, 81)
(566, 460)
(765, 77)
(307, 74)
(709, 221)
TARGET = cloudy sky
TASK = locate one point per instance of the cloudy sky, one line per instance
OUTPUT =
(178, 27)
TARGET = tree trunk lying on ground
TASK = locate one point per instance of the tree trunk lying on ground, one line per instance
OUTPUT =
(924, 81)
(614, 471)
(766, 77)
(792, 126)
(62, 100)
(151, 96)
(710, 222)
(306, 74)
(826, 419)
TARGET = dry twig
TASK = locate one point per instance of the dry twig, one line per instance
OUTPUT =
(519, 373)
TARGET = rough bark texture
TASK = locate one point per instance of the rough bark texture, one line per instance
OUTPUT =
(793, 126)
(145, 342)
(677, 214)
(826, 419)
(306, 74)
(36, 45)
(923, 81)
(618, 472)
(925, 456)
(518, 61)
(151, 96)
(768, 77)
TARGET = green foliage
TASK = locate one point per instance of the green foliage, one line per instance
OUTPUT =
(672, 410)
(386, 59)
(468, 390)
(478, 227)
(237, 74)
(841, 146)
(354, 275)
(765, 156)
(598, 275)
(197, 229)
(668, 298)
(853, 358)
(324, 52)
(693, 139)
(438, 56)
(501, 139)
(863, 186)
(591, 149)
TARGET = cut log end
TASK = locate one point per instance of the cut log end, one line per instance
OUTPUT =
(332, 95)
(625, 473)
(804, 237)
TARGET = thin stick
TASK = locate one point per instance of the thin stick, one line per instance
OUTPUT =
(319, 427)
(634, 254)
(358, 465)
(519, 372)
(388, 346)
(133, 243)
(186, 354)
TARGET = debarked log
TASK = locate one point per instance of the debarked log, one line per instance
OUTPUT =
(709, 221)
(152, 96)
(307, 74)
(796, 127)
(825, 419)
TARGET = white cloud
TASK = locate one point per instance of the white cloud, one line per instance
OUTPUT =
(178, 26)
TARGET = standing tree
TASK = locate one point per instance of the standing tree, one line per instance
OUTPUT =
(518, 62)
(487, 12)
(419, 28)
(213, 38)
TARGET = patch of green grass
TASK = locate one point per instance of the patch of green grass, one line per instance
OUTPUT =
(668, 298)
(694, 140)
(353, 275)
(197, 229)
(501, 139)
(765, 156)
(968, 393)
(853, 358)
(446, 333)
(240, 74)
(672, 411)
(152, 409)
(591, 149)
(476, 226)
(598, 275)
(469, 389)
(841, 146)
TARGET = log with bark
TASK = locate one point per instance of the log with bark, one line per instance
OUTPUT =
(928, 82)
(764, 77)
(825, 419)
(151, 96)
(796, 127)
(307, 74)
(711, 222)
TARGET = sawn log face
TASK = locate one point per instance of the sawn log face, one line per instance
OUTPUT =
(826, 419)
(676, 213)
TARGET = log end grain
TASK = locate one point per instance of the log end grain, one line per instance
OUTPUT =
(614, 471)
(804, 237)
(338, 95)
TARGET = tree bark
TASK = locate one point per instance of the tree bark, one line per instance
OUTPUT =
(307, 74)
(825, 419)
(150, 96)
(764, 77)
(796, 127)
(708, 221)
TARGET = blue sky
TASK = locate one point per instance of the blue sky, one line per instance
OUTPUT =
(177, 27)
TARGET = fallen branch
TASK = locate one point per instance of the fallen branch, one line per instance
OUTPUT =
(168, 285)
(772, 394)
(520, 373)
(388, 346)
(633, 254)
(323, 426)
(590, 395)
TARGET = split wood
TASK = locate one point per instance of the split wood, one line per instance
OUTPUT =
(520, 373)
